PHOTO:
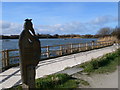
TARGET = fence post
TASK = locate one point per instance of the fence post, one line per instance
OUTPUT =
(71, 47)
(7, 57)
(86, 45)
(109, 42)
(97, 44)
(92, 45)
(79, 47)
(3, 59)
(60, 50)
(48, 53)
(101, 44)
(104, 44)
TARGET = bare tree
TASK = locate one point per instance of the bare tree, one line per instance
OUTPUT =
(116, 32)
(104, 31)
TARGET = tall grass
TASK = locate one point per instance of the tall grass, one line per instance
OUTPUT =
(108, 38)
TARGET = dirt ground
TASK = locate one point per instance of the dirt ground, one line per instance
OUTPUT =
(108, 80)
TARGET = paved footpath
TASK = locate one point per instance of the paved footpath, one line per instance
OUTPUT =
(12, 77)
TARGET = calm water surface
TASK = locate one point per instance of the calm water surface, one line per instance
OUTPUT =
(13, 44)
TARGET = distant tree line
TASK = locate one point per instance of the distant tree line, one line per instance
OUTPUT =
(9, 37)
(103, 32)
(53, 36)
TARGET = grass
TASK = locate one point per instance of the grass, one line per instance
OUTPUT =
(83, 82)
(104, 64)
(51, 81)
(54, 81)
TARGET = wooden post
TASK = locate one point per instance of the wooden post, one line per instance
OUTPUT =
(7, 58)
(71, 48)
(48, 52)
(79, 47)
(60, 50)
(86, 46)
(92, 45)
(102, 44)
(3, 59)
(109, 42)
(97, 45)
(105, 43)
(83, 46)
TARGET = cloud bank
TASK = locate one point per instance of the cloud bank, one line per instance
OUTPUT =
(75, 27)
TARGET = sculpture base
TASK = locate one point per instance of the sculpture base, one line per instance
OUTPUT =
(30, 78)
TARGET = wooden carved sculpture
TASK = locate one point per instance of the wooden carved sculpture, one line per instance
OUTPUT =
(30, 53)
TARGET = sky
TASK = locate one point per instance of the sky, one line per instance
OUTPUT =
(59, 17)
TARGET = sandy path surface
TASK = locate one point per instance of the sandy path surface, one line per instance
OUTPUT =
(109, 80)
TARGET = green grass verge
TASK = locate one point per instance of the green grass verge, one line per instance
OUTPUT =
(51, 81)
(104, 64)
(54, 81)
